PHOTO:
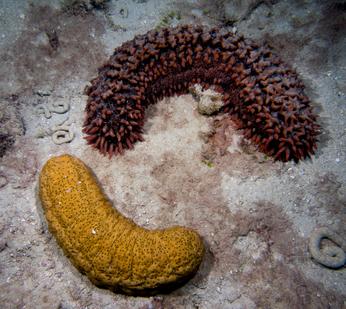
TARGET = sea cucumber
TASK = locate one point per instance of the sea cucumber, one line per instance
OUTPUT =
(109, 248)
(262, 94)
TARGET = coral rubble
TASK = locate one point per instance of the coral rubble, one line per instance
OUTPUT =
(209, 101)
(262, 94)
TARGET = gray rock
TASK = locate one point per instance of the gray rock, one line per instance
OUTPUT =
(11, 126)
(238, 9)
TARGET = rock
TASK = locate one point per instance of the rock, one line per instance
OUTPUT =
(11, 126)
(3, 181)
(238, 9)
(209, 101)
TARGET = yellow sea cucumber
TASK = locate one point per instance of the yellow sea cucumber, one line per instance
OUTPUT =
(109, 248)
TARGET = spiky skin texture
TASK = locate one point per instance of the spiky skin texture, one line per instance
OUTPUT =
(109, 248)
(262, 94)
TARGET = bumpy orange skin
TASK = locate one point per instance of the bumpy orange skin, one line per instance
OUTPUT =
(109, 248)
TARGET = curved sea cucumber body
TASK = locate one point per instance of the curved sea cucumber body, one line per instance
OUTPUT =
(109, 248)
(260, 92)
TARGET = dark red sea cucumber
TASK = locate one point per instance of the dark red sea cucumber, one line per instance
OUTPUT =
(260, 92)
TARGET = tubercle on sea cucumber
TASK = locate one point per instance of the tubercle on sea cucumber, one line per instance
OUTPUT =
(260, 92)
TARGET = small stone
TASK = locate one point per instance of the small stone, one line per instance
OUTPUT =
(209, 101)
(124, 12)
(3, 181)
(44, 91)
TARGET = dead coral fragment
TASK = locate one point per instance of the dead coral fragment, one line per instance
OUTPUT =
(262, 94)
(110, 249)
(209, 101)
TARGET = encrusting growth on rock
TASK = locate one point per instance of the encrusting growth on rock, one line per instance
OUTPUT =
(110, 249)
(262, 94)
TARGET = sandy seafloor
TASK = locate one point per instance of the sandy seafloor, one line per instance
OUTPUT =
(255, 215)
